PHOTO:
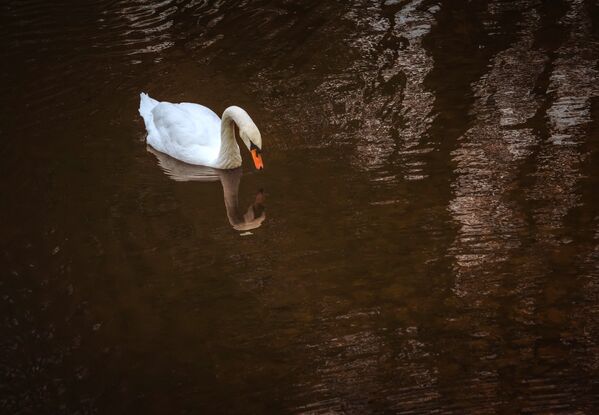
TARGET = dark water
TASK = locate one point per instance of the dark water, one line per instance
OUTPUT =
(431, 238)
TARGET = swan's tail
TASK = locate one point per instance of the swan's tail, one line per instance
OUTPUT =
(146, 105)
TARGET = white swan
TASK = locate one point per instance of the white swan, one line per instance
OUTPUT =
(194, 134)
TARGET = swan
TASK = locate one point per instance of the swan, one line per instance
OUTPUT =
(194, 134)
(254, 215)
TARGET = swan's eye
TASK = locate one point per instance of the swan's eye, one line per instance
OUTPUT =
(255, 147)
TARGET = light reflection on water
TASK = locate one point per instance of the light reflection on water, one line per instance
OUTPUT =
(488, 159)
(431, 241)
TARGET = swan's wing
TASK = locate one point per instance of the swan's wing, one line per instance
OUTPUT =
(187, 124)
(206, 122)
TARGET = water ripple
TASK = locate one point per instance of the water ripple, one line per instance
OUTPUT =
(490, 154)
(573, 84)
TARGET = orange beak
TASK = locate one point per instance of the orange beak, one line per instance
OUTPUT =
(257, 159)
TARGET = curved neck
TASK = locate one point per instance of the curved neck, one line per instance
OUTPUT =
(236, 115)
(229, 149)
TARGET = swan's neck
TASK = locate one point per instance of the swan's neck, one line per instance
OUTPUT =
(229, 156)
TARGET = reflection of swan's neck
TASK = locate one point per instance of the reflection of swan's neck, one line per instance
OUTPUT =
(229, 156)
(230, 180)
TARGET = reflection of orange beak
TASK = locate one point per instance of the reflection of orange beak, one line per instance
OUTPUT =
(257, 159)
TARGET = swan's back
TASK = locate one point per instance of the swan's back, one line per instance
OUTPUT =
(206, 122)
(186, 131)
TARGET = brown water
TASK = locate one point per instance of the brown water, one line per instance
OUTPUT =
(431, 238)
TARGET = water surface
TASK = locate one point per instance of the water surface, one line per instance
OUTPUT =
(432, 238)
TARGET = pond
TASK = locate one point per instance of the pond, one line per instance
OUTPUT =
(424, 237)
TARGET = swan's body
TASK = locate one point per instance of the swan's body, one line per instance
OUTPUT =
(196, 135)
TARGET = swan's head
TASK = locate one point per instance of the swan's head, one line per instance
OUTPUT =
(248, 132)
(250, 135)
(254, 216)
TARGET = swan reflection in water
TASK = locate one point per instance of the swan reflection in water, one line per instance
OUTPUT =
(229, 179)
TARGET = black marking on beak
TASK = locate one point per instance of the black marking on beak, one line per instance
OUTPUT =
(255, 147)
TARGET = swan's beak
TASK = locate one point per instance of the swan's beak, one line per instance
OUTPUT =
(257, 159)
